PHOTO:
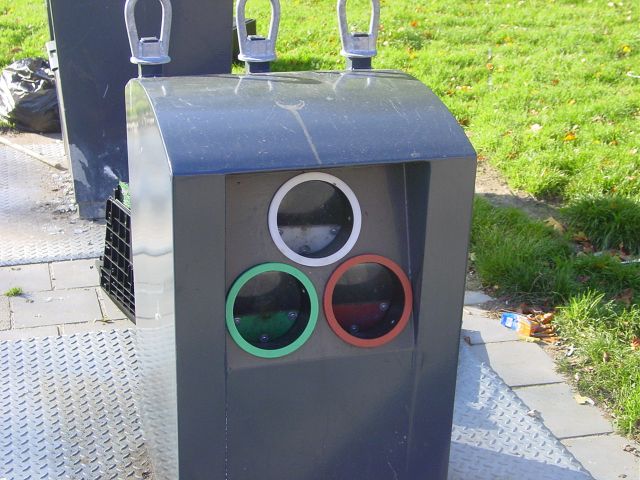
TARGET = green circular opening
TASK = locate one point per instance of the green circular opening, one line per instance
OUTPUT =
(271, 310)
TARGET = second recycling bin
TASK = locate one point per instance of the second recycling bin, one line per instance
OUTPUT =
(299, 245)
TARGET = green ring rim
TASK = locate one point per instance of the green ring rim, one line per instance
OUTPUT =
(313, 311)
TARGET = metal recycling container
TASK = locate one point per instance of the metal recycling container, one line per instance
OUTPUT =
(300, 244)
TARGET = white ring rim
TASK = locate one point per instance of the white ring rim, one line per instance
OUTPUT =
(290, 185)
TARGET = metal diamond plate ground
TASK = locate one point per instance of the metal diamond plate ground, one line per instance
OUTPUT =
(69, 409)
(494, 437)
(37, 214)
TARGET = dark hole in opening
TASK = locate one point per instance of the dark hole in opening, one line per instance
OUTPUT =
(315, 219)
(271, 310)
(368, 300)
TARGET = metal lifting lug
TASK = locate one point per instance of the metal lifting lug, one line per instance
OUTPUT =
(148, 51)
(359, 47)
(256, 51)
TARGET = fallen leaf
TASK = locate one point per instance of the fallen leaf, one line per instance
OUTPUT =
(489, 66)
(555, 224)
(569, 137)
(606, 357)
(547, 317)
(580, 237)
(635, 343)
(582, 400)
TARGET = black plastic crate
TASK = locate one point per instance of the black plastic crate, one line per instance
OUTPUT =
(116, 267)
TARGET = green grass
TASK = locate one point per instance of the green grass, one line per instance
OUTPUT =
(607, 367)
(504, 68)
(610, 222)
(23, 30)
(596, 295)
(14, 292)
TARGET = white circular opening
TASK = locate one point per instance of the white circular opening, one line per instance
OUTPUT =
(315, 219)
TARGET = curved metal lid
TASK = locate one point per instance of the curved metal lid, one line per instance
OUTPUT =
(299, 120)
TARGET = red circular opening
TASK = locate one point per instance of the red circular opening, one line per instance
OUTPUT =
(368, 300)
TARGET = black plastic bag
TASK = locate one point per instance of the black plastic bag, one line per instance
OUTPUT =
(28, 98)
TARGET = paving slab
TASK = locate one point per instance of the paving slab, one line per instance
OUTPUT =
(478, 328)
(74, 274)
(110, 310)
(55, 308)
(31, 278)
(5, 313)
(28, 333)
(604, 456)
(518, 363)
(561, 413)
(475, 297)
(73, 328)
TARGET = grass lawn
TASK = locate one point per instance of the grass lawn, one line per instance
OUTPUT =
(23, 30)
(549, 93)
(595, 295)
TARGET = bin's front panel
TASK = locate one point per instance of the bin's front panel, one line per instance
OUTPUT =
(329, 409)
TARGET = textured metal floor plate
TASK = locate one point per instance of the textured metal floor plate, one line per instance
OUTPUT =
(37, 214)
(69, 410)
(494, 437)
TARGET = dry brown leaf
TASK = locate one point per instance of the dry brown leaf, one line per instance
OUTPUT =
(580, 237)
(606, 357)
(635, 343)
(555, 224)
(582, 400)
(547, 318)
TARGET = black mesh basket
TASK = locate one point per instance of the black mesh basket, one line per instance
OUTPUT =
(116, 268)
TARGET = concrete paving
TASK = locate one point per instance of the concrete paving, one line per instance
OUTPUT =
(561, 413)
(524, 366)
(59, 298)
(30, 278)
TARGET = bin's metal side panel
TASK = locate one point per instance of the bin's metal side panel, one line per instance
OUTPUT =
(239, 124)
(446, 203)
(152, 248)
(199, 236)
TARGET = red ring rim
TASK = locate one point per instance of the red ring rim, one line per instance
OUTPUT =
(406, 311)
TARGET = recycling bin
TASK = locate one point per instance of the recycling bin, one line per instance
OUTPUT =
(300, 244)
